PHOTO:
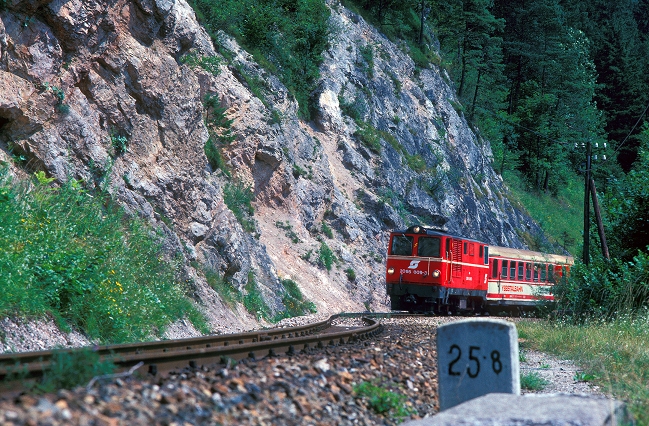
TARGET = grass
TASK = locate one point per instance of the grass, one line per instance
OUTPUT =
(561, 217)
(383, 401)
(532, 381)
(226, 290)
(72, 369)
(238, 198)
(77, 257)
(253, 300)
(612, 354)
(294, 302)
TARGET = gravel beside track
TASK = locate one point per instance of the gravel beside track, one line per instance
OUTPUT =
(315, 388)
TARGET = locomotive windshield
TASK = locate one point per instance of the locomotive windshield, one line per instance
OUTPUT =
(428, 247)
(401, 245)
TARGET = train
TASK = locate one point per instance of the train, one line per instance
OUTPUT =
(431, 271)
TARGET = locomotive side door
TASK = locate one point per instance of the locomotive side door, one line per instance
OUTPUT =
(456, 264)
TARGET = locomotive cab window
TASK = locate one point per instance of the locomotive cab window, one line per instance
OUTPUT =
(401, 245)
(486, 254)
(428, 247)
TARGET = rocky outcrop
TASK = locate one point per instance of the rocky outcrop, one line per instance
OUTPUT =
(99, 91)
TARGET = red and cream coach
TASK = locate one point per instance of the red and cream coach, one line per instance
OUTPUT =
(430, 270)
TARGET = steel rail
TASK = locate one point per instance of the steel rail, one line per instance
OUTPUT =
(163, 356)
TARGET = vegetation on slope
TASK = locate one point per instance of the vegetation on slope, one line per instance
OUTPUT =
(78, 257)
(285, 36)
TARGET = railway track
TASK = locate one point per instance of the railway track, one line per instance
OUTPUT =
(160, 357)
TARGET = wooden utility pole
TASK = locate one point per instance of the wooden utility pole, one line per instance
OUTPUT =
(600, 225)
(586, 256)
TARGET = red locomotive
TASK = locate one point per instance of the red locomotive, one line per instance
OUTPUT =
(432, 271)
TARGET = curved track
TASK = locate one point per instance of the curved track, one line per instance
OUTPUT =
(160, 357)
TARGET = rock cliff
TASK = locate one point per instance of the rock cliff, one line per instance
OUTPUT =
(101, 91)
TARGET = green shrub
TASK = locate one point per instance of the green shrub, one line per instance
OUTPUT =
(367, 53)
(355, 109)
(326, 257)
(239, 198)
(208, 63)
(253, 299)
(225, 290)
(416, 162)
(351, 274)
(369, 136)
(605, 288)
(298, 171)
(219, 127)
(383, 401)
(289, 231)
(71, 369)
(327, 230)
(294, 302)
(81, 259)
(119, 143)
(214, 157)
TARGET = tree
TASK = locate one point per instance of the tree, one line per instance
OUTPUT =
(628, 206)
(619, 51)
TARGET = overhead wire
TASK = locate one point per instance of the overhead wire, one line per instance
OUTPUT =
(632, 129)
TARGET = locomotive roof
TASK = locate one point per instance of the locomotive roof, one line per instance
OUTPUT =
(533, 256)
(434, 232)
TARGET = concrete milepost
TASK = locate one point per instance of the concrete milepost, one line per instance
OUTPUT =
(476, 357)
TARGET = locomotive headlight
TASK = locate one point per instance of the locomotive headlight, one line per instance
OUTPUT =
(436, 273)
(390, 271)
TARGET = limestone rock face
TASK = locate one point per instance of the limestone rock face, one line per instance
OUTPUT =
(78, 76)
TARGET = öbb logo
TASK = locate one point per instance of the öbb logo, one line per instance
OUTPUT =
(413, 264)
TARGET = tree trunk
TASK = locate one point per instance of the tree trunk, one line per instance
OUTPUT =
(475, 94)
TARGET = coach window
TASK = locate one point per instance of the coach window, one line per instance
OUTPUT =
(512, 270)
(544, 274)
(494, 270)
(520, 271)
(428, 247)
(401, 245)
(528, 272)
(503, 271)
(551, 273)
